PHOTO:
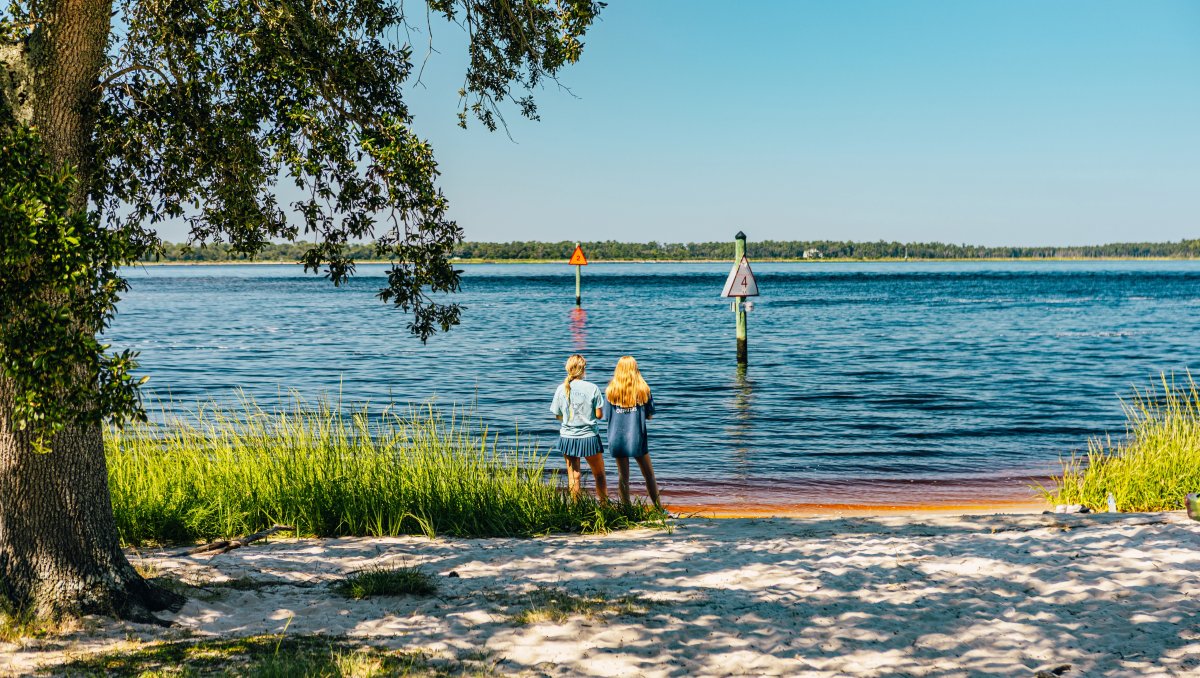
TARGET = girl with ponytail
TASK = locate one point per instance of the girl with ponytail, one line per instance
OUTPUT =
(627, 407)
(577, 405)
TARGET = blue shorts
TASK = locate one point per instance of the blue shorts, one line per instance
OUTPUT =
(579, 447)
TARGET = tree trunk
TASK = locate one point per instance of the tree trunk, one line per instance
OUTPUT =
(59, 551)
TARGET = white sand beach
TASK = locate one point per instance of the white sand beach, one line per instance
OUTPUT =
(1112, 595)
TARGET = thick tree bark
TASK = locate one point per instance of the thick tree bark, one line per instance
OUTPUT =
(65, 54)
(59, 551)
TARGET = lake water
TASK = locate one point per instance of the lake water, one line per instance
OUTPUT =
(896, 383)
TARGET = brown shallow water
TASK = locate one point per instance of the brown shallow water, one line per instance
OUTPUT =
(855, 498)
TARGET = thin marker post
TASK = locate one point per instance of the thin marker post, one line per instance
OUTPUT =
(739, 251)
(739, 285)
(578, 260)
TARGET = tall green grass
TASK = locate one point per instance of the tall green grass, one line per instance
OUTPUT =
(224, 472)
(1153, 468)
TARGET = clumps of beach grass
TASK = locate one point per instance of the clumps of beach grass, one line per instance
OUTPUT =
(221, 473)
(268, 656)
(22, 624)
(242, 583)
(1153, 468)
(386, 581)
(18, 626)
(555, 605)
(202, 588)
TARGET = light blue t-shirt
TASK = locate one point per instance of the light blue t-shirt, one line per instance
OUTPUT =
(578, 420)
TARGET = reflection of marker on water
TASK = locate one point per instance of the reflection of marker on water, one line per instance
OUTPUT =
(578, 261)
(740, 429)
(578, 327)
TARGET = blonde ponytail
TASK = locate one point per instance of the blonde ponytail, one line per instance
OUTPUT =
(576, 366)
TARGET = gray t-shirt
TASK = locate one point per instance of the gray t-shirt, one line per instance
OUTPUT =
(578, 419)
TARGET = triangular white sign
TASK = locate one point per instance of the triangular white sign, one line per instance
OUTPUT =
(740, 282)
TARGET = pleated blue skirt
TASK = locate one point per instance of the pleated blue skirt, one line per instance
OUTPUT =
(578, 447)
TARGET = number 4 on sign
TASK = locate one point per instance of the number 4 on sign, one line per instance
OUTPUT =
(740, 282)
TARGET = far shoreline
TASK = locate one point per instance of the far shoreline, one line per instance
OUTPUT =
(830, 260)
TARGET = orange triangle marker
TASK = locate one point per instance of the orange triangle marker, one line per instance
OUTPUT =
(577, 258)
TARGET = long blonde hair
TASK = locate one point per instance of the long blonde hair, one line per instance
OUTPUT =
(627, 388)
(576, 366)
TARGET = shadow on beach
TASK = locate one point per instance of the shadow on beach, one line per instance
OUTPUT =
(940, 596)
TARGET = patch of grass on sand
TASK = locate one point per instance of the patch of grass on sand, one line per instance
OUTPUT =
(205, 589)
(386, 581)
(243, 583)
(332, 472)
(545, 604)
(22, 624)
(268, 656)
(1152, 469)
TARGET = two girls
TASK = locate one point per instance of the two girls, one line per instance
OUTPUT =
(626, 404)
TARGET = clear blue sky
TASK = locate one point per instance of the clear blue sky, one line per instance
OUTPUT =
(1014, 122)
(986, 122)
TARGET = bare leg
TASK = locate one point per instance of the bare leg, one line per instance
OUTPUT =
(623, 478)
(573, 475)
(596, 463)
(648, 473)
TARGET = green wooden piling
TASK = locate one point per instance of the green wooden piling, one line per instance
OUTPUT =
(739, 251)
(578, 275)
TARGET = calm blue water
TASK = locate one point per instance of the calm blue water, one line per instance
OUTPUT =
(862, 377)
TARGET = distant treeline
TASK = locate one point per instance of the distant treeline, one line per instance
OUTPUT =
(611, 250)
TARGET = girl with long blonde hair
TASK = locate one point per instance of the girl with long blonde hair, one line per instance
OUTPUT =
(628, 405)
(577, 404)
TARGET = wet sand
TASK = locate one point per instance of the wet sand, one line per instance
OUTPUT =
(916, 497)
(798, 510)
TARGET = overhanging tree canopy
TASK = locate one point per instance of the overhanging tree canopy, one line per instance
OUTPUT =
(196, 110)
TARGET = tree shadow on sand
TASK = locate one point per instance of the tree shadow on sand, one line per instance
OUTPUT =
(944, 596)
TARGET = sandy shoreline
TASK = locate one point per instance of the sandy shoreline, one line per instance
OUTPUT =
(829, 510)
(1113, 595)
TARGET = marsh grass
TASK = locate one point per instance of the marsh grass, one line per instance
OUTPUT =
(386, 581)
(1153, 468)
(329, 472)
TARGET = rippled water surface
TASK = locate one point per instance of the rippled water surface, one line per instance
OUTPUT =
(863, 378)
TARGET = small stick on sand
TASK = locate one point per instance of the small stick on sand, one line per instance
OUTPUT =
(216, 548)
